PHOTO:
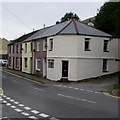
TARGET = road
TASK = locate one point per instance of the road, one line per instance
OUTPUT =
(27, 99)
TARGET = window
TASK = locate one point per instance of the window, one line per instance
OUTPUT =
(38, 46)
(13, 49)
(21, 48)
(50, 63)
(38, 64)
(105, 69)
(105, 47)
(25, 62)
(51, 44)
(17, 62)
(16, 48)
(25, 47)
(87, 44)
(10, 61)
(31, 46)
(44, 45)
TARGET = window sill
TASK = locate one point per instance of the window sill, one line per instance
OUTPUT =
(38, 70)
(105, 51)
(105, 71)
(87, 50)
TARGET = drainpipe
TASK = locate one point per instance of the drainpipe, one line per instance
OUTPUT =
(32, 57)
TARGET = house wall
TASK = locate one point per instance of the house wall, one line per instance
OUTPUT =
(82, 64)
(11, 56)
(17, 66)
(29, 56)
(39, 55)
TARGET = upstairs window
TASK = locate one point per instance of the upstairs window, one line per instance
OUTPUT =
(87, 44)
(51, 44)
(44, 45)
(105, 66)
(50, 63)
(38, 46)
(16, 48)
(25, 47)
(31, 46)
(105, 47)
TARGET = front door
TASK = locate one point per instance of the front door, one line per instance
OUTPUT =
(64, 69)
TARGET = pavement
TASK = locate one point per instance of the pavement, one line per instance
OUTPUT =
(101, 84)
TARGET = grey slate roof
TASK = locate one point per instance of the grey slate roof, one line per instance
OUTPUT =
(69, 27)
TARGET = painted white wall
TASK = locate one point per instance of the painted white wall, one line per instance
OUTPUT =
(82, 64)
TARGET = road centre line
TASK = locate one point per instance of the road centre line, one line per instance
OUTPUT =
(39, 89)
(75, 98)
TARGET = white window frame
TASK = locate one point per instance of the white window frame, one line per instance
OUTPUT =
(38, 46)
(44, 45)
(87, 40)
(106, 65)
(26, 62)
(51, 44)
(51, 63)
(105, 42)
(38, 59)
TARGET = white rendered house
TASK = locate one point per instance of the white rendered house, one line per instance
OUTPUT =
(79, 52)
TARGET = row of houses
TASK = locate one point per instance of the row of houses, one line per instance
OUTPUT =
(70, 50)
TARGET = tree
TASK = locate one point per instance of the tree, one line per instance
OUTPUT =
(69, 16)
(108, 18)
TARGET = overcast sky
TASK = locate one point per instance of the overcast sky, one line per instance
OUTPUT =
(19, 18)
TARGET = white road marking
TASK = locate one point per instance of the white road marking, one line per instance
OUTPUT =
(4, 101)
(8, 104)
(26, 114)
(89, 91)
(18, 110)
(13, 107)
(97, 92)
(76, 88)
(21, 105)
(12, 100)
(35, 111)
(4, 95)
(44, 115)
(33, 117)
(82, 89)
(27, 108)
(75, 98)
(91, 102)
(53, 118)
(8, 98)
(39, 89)
(1, 99)
(16, 102)
(4, 117)
(64, 86)
(70, 87)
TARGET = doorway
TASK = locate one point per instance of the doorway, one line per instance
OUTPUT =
(64, 69)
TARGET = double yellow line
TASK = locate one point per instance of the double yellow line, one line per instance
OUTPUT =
(105, 93)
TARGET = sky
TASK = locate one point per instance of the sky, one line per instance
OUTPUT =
(19, 18)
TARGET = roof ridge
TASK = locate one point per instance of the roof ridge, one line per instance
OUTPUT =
(74, 21)
(64, 27)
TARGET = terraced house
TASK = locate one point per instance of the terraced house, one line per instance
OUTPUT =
(70, 50)
(15, 52)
